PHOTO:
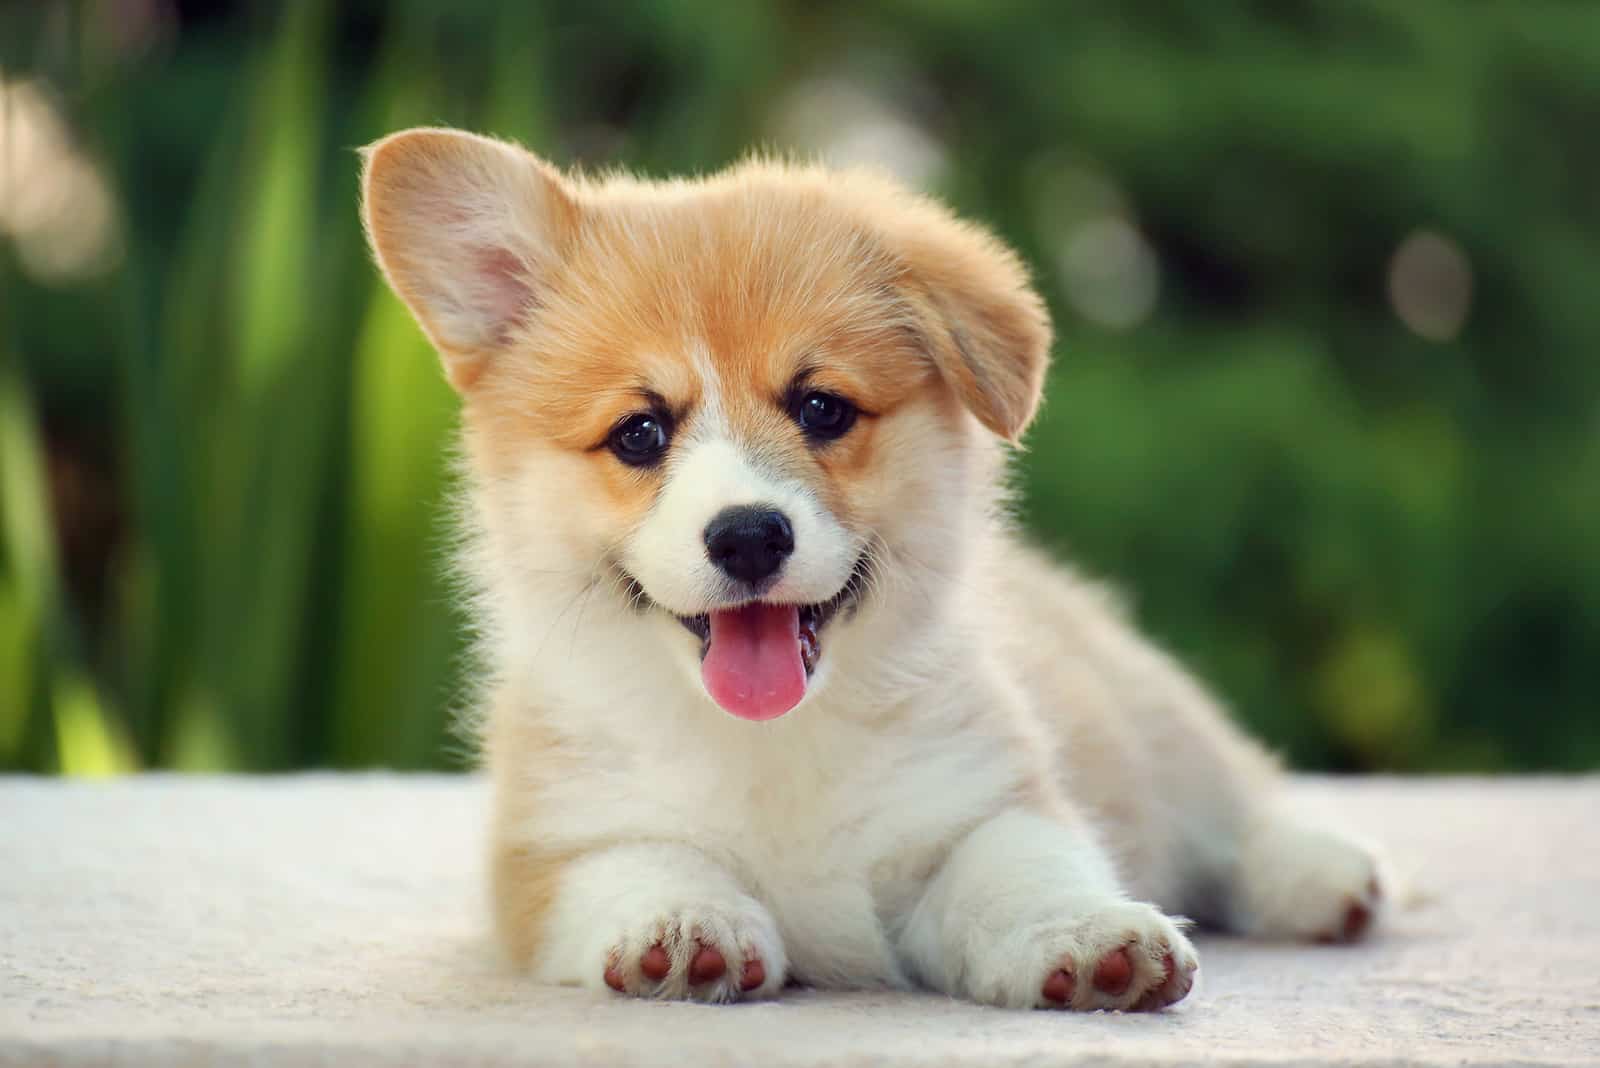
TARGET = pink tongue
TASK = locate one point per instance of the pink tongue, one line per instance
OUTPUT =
(753, 667)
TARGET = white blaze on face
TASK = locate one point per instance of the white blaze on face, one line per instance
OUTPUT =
(754, 665)
(667, 554)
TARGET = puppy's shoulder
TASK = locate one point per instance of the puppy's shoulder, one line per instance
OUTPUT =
(1035, 587)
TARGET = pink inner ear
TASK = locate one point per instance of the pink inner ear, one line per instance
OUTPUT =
(504, 293)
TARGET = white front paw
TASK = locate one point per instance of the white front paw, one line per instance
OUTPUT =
(707, 952)
(659, 920)
(1120, 955)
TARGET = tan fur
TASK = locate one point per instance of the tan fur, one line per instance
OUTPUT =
(524, 883)
(524, 757)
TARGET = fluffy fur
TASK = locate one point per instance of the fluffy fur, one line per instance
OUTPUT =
(993, 786)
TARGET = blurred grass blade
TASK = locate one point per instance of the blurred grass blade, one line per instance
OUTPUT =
(263, 425)
(35, 643)
(27, 564)
(90, 744)
(397, 632)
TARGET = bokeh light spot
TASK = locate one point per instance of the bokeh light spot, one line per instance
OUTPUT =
(848, 125)
(1110, 272)
(1430, 285)
(53, 202)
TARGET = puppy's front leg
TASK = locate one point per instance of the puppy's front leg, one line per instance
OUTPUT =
(1027, 913)
(654, 919)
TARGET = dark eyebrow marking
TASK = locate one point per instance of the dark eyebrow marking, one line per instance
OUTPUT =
(803, 374)
(810, 367)
(655, 400)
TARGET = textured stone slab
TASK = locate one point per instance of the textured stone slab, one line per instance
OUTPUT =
(339, 919)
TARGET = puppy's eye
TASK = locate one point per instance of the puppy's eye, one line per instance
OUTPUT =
(639, 440)
(824, 416)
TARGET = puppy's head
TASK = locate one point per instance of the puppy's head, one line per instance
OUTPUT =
(742, 403)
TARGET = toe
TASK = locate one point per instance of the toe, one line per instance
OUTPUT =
(707, 965)
(1058, 987)
(754, 974)
(1357, 918)
(1172, 988)
(655, 964)
(1114, 972)
(613, 977)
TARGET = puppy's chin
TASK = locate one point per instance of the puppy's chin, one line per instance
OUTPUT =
(758, 659)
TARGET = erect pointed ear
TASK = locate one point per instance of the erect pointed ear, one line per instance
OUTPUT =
(987, 328)
(466, 229)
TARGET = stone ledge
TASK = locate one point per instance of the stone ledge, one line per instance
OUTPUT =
(337, 919)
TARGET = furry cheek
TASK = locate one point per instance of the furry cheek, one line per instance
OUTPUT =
(573, 507)
(910, 475)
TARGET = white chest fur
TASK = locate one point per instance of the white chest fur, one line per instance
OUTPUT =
(832, 817)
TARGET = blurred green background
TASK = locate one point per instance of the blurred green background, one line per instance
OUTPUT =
(1326, 401)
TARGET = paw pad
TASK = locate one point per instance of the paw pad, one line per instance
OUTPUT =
(1112, 975)
(1174, 987)
(655, 964)
(1114, 972)
(1128, 958)
(708, 965)
(1058, 987)
(1356, 920)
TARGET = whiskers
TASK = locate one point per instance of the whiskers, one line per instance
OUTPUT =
(893, 573)
(601, 576)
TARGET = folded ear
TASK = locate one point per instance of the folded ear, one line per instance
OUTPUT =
(465, 229)
(988, 330)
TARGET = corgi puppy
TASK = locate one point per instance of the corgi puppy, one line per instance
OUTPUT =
(775, 692)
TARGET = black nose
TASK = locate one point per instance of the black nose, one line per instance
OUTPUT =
(749, 544)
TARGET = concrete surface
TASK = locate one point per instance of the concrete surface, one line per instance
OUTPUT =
(338, 920)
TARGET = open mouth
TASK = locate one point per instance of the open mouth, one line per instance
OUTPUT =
(757, 658)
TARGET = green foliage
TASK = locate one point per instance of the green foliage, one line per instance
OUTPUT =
(222, 521)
